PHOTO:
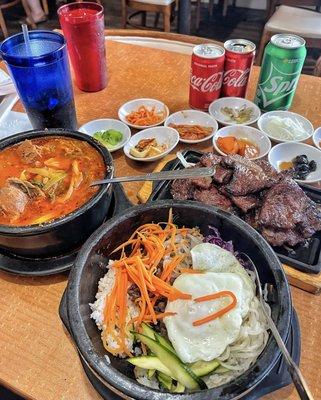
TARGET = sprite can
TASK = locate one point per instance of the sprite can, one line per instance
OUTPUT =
(280, 72)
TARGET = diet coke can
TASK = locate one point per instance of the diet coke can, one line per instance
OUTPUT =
(206, 75)
(239, 57)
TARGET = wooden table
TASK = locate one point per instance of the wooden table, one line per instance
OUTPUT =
(37, 357)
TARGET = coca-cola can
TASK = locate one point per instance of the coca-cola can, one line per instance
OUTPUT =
(206, 75)
(239, 57)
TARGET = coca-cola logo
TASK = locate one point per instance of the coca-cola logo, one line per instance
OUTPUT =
(210, 84)
(236, 77)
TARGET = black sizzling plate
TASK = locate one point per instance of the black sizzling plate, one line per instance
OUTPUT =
(277, 379)
(304, 257)
(55, 265)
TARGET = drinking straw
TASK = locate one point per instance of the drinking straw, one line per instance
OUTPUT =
(26, 38)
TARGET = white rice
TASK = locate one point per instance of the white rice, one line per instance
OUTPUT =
(142, 378)
(105, 286)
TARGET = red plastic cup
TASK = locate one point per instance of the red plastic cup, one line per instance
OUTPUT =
(83, 28)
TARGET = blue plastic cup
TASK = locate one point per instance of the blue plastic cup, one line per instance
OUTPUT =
(42, 78)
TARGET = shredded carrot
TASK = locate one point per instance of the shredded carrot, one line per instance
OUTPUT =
(123, 245)
(143, 288)
(143, 116)
(169, 268)
(160, 316)
(141, 264)
(217, 314)
(191, 271)
(122, 307)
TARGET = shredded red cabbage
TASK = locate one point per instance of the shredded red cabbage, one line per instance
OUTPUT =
(216, 238)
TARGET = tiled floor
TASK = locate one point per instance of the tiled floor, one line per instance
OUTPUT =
(239, 23)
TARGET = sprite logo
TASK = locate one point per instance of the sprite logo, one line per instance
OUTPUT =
(277, 85)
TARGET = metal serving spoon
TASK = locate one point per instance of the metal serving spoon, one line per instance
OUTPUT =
(161, 176)
(297, 377)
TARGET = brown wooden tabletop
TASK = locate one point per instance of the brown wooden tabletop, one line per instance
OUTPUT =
(37, 357)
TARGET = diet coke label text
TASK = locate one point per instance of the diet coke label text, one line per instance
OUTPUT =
(209, 84)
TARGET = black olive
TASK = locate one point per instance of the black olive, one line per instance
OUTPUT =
(312, 165)
(300, 175)
(302, 168)
(302, 159)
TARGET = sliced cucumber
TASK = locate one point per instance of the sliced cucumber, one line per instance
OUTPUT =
(164, 342)
(179, 371)
(179, 388)
(202, 368)
(149, 362)
(152, 363)
(165, 381)
(151, 373)
(148, 331)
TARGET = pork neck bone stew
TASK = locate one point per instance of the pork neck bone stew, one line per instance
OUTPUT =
(45, 178)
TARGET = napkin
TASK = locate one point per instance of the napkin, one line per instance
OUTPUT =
(6, 84)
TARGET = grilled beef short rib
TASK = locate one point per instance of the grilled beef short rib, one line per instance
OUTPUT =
(270, 201)
(283, 205)
(248, 177)
(213, 197)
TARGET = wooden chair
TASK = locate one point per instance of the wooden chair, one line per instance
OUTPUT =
(300, 21)
(164, 7)
(317, 68)
(273, 4)
(4, 6)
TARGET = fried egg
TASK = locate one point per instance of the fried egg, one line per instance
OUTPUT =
(210, 257)
(222, 271)
(209, 340)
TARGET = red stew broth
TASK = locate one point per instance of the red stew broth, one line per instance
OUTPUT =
(65, 151)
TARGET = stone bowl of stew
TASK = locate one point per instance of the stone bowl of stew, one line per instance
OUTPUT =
(47, 207)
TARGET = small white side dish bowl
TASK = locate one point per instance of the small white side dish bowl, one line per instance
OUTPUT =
(317, 137)
(236, 103)
(163, 135)
(105, 124)
(133, 105)
(306, 124)
(287, 151)
(193, 117)
(244, 132)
